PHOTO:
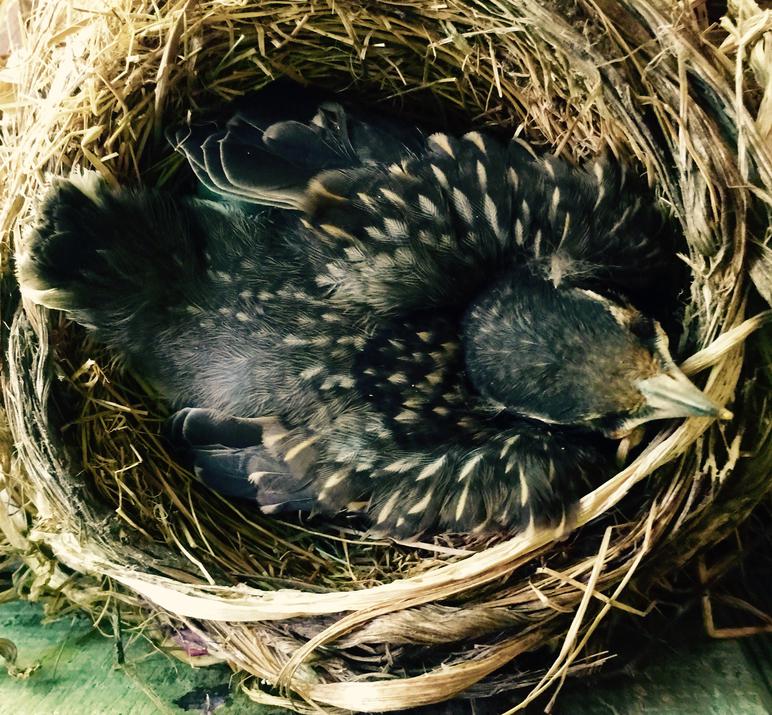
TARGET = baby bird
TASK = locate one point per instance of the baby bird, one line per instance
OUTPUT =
(434, 330)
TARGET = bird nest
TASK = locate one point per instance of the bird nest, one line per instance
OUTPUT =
(96, 512)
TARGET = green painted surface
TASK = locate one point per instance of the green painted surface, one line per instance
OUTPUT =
(78, 675)
(695, 677)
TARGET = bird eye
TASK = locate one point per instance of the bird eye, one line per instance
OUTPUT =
(645, 329)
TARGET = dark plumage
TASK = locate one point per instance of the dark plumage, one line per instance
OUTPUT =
(421, 326)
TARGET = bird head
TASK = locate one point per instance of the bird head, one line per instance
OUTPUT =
(567, 355)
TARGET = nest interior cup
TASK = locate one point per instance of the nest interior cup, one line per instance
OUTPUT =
(97, 512)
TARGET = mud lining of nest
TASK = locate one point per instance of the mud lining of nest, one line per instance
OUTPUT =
(95, 510)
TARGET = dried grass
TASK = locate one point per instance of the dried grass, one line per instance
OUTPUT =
(96, 511)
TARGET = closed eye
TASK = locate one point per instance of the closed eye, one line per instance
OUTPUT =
(645, 329)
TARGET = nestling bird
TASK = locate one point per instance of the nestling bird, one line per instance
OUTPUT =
(432, 326)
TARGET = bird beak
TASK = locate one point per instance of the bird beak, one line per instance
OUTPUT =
(672, 394)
